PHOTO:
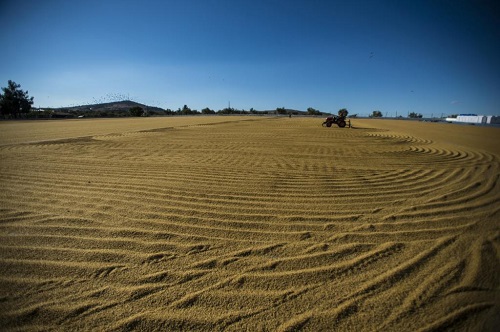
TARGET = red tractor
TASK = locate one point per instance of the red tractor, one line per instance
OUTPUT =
(338, 120)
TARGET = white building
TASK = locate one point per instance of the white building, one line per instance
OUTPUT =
(474, 118)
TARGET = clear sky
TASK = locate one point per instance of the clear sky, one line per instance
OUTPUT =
(431, 57)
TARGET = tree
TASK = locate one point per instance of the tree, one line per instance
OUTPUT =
(280, 110)
(207, 110)
(136, 111)
(14, 101)
(227, 110)
(376, 114)
(414, 115)
(186, 111)
(312, 111)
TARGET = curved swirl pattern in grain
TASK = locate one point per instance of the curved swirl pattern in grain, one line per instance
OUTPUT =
(246, 224)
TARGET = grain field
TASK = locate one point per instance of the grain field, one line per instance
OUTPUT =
(248, 223)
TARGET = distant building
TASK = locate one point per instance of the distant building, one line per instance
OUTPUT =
(474, 118)
(493, 119)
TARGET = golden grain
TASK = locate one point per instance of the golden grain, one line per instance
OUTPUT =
(248, 223)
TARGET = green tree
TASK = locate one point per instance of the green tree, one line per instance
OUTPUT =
(376, 114)
(14, 101)
(136, 111)
(280, 110)
(414, 115)
(312, 111)
(227, 110)
(207, 110)
(186, 110)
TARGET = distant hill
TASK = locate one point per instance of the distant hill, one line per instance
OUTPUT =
(119, 106)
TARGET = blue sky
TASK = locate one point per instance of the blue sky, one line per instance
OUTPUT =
(430, 57)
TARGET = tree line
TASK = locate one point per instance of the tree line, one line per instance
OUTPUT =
(412, 115)
(16, 103)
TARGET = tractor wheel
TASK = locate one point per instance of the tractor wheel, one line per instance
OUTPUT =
(341, 123)
(328, 124)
